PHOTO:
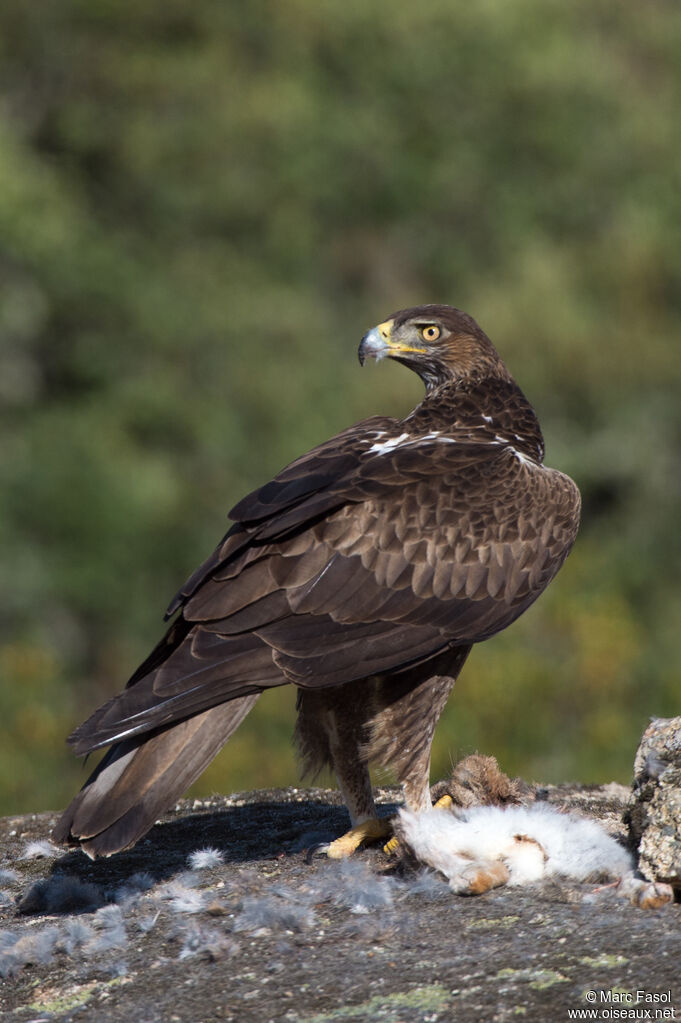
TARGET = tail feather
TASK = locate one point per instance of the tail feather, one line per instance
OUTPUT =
(140, 778)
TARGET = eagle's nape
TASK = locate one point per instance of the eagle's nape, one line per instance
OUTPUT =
(362, 574)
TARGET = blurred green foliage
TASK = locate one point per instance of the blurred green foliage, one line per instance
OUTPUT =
(202, 208)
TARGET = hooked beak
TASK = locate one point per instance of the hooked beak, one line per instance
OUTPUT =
(376, 343)
(379, 342)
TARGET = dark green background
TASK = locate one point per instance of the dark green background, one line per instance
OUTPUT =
(202, 208)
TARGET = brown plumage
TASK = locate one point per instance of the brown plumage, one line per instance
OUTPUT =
(477, 780)
(361, 574)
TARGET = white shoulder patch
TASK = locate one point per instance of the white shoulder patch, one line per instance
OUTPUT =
(380, 447)
(435, 435)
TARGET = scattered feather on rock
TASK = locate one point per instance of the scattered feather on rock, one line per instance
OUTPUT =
(133, 887)
(109, 931)
(426, 885)
(182, 896)
(208, 942)
(75, 935)
(261, 915)
(40, 850)
(148, 922)
(354, 886)
(18, 950)
(205, 859)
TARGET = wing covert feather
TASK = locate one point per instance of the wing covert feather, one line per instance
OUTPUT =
(342, 547)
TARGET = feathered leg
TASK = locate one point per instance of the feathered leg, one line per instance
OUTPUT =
(402, 730)
(332, 730)
(387, 719)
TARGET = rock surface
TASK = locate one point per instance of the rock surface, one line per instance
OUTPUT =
(654, 814)
(252, 932)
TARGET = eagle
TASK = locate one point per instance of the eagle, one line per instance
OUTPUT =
(362, 574)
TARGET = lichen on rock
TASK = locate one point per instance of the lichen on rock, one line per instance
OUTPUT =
(654, 811)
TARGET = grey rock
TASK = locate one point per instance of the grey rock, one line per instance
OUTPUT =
(654, 812)
(276, 938)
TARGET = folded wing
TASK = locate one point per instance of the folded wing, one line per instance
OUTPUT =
(348, 564)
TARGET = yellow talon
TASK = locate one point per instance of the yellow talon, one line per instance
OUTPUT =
(391, 847)
(368, 831)
(443, 803)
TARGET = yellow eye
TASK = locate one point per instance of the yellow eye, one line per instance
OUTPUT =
(430, 333)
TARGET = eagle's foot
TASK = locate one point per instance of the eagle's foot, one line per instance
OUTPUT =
(371, 830)
(444, 802)
(392, 846)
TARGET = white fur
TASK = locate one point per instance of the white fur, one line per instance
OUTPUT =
(561, 844)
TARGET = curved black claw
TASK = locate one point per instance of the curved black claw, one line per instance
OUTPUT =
(318, 847)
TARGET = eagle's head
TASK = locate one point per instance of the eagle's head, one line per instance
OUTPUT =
(438, 342)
